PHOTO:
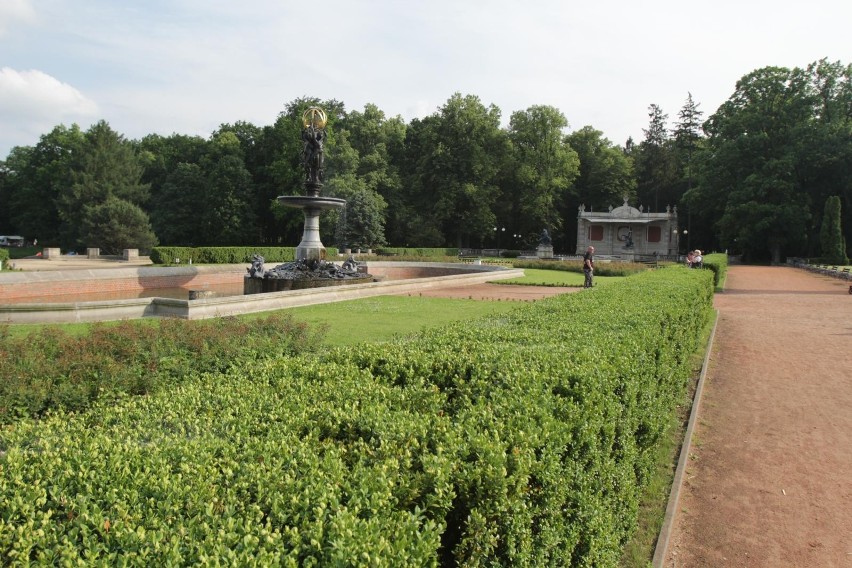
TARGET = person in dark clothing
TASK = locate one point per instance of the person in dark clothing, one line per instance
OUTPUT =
(589, 266)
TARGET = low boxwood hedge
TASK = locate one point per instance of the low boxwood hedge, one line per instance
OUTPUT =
(718, 263)
(224, 255)
(516, 440)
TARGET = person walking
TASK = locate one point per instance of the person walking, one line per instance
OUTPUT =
(588, 266)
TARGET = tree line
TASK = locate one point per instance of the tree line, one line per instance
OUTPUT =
(753, 178)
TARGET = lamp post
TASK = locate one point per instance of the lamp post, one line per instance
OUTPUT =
(676, 234)
(497, 232)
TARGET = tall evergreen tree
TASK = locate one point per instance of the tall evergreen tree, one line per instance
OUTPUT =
(831, 235)
(108, 169)
(688, 138)
(655, 166)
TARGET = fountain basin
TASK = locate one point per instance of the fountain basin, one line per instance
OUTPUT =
(401, 278)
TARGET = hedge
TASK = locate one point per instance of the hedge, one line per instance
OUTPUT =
(601, 268)
(427, 252)
(4, 258)
(718, 263)
(52, 369)
(224, 255)
(517, 440)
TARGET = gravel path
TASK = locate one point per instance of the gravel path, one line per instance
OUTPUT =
(769, 481)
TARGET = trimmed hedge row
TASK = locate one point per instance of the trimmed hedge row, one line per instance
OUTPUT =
(601, 268)
(224, 255)
(518, 440)
(718, 263)
(416, 252)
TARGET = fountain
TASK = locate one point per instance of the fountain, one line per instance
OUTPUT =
(310, 269)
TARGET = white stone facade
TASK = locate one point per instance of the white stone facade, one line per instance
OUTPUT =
(627, 232)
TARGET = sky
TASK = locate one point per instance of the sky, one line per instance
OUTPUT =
(188, 66)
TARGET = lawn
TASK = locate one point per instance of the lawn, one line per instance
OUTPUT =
(538, 277)
(370, 319)
(383, 317)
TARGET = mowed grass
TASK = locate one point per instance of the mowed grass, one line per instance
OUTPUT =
(384, 317)
(369, 319)
(539, 277)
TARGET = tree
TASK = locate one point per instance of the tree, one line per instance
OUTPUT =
(655, 165)
(541, 169)
(372, 146)
(605, 178)
(687, 143)
(175, 212)
(754, 148)
(455, 169)
(361, 224)
(831, 235)
(116, 224)
(108, 167)
(35, 179)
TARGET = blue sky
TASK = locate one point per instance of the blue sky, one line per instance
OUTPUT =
(187, 66)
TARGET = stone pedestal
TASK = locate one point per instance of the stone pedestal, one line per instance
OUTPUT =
(131, 254)
(544, 251)
(311, 247)
(51, 253)
(93, 252)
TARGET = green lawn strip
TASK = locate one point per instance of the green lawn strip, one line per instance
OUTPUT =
(639, 550)
(540, 277)
(384, 317)
(370, 319)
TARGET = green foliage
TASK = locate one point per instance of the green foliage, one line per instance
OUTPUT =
(831, 234)
(419, 252)
(116, 224)
(601, 268)
(541, 168)
(103, 205)
(51, 369)
(37, 177)
(718, 263)
(519, 440)
(4, 258)
(775, 151)
(224, 255)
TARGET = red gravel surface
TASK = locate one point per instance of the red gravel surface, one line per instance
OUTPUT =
(769, 480)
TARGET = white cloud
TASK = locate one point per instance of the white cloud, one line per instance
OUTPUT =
(33, 102)
(13, 11)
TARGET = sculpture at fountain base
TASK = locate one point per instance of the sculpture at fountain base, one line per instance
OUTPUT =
(303, 274)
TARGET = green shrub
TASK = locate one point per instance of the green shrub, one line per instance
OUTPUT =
(418, 252)
(4, 258)
(517, 440)
(51, 369)
(225, 255)
(718, 263)
(601, 268)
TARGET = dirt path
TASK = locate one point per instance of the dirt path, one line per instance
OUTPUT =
(769, 482)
